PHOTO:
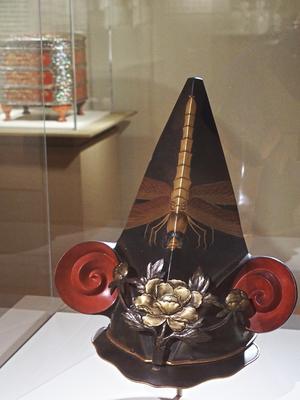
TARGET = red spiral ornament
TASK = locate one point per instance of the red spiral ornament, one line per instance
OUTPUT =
(272, 289)
(83, 275)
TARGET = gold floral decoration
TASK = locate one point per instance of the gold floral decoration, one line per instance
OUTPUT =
(237, 300)
(172, 302)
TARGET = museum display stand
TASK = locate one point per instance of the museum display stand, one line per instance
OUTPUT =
(59, 361)
(89, 126)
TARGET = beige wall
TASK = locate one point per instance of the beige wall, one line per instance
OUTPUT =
(83, 192)
(248, 58)
(24, 240)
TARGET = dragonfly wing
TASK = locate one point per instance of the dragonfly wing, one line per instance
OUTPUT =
(216, 193)
(152, 188)
(148, 211)
(218, 218)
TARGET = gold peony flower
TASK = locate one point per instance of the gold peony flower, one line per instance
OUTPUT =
(237, 300)
(172, 302)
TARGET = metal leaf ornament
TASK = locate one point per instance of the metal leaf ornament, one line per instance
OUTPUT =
(134, 320)
(155, 270)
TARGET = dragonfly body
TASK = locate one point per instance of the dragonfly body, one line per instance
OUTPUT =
(183, 206)
(177, 219)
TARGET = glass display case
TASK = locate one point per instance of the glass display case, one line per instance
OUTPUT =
(49, 66)
(72, 74)
(55, 101)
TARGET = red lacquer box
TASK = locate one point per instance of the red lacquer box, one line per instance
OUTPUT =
(43, 71)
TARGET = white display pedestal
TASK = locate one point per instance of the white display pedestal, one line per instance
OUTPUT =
(89, 125)
(59, 362)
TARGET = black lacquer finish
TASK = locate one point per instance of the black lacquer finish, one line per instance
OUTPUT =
(208, 166)
(179, 376)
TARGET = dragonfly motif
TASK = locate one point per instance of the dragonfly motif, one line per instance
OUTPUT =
(199, 208)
